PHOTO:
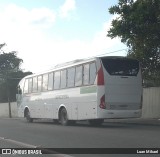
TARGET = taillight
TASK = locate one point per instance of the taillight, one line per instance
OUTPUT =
(102, 102)
(100, 80)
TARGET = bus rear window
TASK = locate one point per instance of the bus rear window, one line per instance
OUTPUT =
(121, 67)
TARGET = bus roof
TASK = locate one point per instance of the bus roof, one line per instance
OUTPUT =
(73, 63)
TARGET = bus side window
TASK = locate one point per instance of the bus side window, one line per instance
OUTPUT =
(26, 86)
(71, 76)
(86, 74)
(92, 72)
(50, 81)
(63, 78)
(45, 82)
(57, 80)
(78, 76)
(39, 83)
(30, 85)
(35, 84)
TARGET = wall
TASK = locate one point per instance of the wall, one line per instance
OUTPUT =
(151, 104)
(4, 109)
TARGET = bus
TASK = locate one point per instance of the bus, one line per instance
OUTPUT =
(87, 89)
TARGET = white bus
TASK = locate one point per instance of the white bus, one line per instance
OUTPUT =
(90, 89)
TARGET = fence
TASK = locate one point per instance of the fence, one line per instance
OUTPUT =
(151, 104)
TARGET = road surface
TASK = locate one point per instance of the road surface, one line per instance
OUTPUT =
(45, 134)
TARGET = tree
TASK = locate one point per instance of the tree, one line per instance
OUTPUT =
(137, 24)
(10, 74)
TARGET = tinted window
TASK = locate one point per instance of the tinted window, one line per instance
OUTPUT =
(30, 85)
(121, 67)
(63, 78)
(26, 86)
(39, 83)
(86, 74)
(78, 76)
(35, 84)
(71, 74)
(50, 81)
(92, 73)
(56, 80)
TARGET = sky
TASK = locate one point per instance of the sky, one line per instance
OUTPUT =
(49, 32)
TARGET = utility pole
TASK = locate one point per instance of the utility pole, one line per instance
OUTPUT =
(8, 96)
(10, 64)
(6, 79)
(9, 103)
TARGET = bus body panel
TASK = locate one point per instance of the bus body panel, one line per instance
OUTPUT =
(123, 95)
(79, 106)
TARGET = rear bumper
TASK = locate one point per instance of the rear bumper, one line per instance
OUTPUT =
(119, 114)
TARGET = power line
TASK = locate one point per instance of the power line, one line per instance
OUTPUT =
(104, 54)
(112, 52)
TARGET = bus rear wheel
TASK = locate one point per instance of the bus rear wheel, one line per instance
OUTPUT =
(63, 117)
(28, 117)
(96, 122)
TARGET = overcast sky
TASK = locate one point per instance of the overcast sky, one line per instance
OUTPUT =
(49, 32)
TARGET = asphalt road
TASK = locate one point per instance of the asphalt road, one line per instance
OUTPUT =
(18, 133)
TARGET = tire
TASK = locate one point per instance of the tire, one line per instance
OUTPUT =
(72, 122)
(55, 121)
(28, 117)
(63, 117)
(96, 122)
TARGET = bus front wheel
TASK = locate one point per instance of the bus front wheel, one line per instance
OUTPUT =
(63, 118)
(27, 115)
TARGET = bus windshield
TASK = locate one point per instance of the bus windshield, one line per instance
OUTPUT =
(121, 66)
